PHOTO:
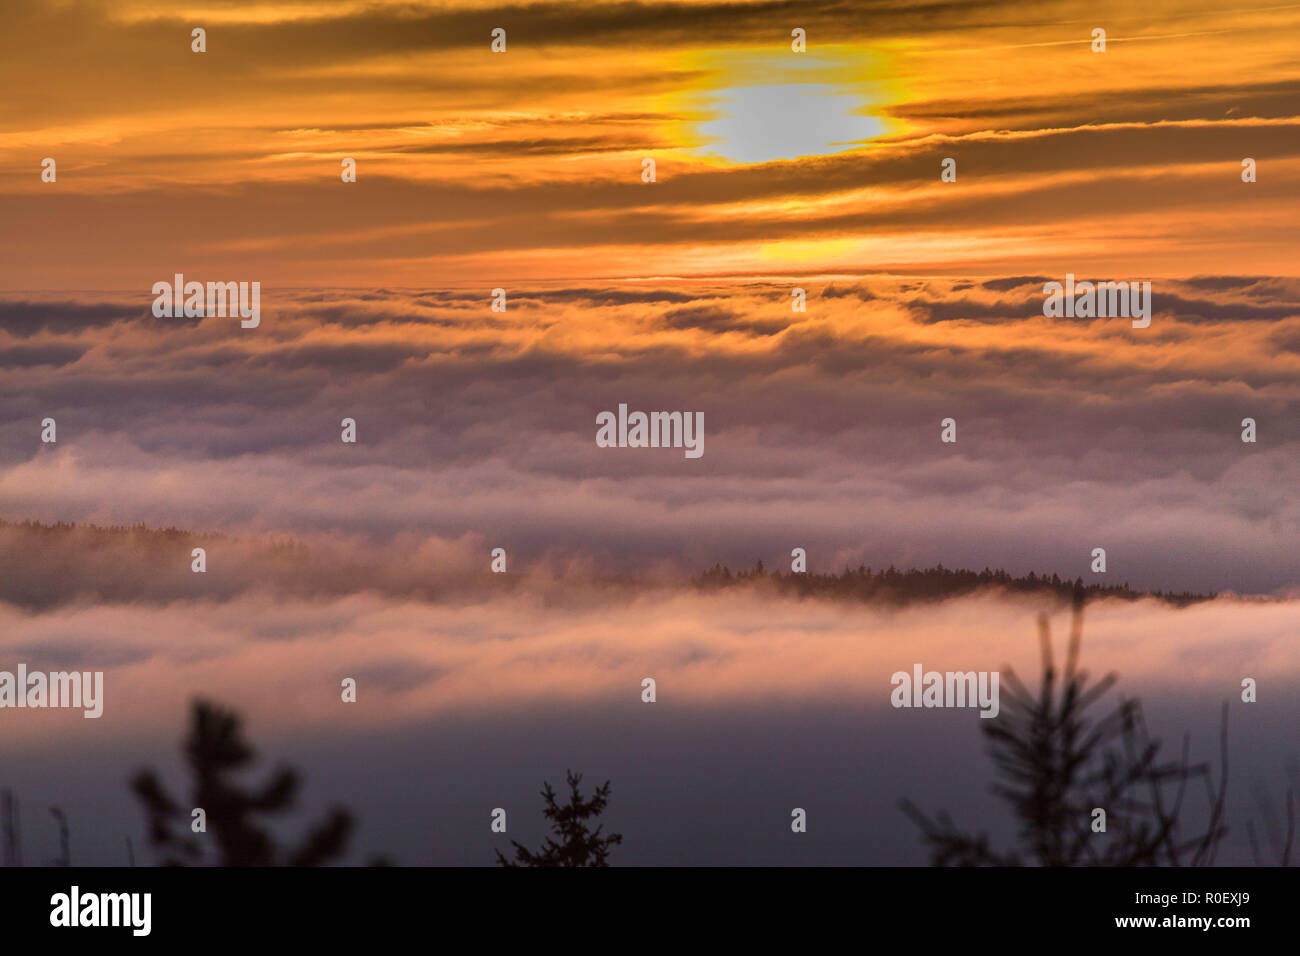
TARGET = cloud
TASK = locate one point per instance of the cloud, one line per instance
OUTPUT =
(281, 661)
(1116, 162)
(821, 428)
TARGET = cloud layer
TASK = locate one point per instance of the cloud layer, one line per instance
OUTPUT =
(477, 429)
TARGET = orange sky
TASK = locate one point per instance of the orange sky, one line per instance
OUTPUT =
(478, 167)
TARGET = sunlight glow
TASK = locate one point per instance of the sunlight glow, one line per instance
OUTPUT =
(764, 123)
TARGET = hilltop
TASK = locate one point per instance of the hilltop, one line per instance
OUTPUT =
(920, 585)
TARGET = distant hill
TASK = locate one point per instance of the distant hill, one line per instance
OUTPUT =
(922, 585)
(45, 565)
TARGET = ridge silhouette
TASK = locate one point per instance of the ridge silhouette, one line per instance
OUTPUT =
(915, 585)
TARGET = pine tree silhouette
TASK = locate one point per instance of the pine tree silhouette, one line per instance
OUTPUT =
(1055, 763)
(65, 854)
(9, 828)
(579, 845)
(215, 750)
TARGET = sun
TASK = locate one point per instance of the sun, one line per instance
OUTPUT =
(760, 107)
(760, 124)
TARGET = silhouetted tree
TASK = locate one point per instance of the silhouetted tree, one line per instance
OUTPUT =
(1281, 836)
(577, 845)
(10, 831)
(215, 750)
(1054, 764)
(65, 853)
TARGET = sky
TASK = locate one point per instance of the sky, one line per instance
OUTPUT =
(762, 705)
(776, 173)
(483, 168)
